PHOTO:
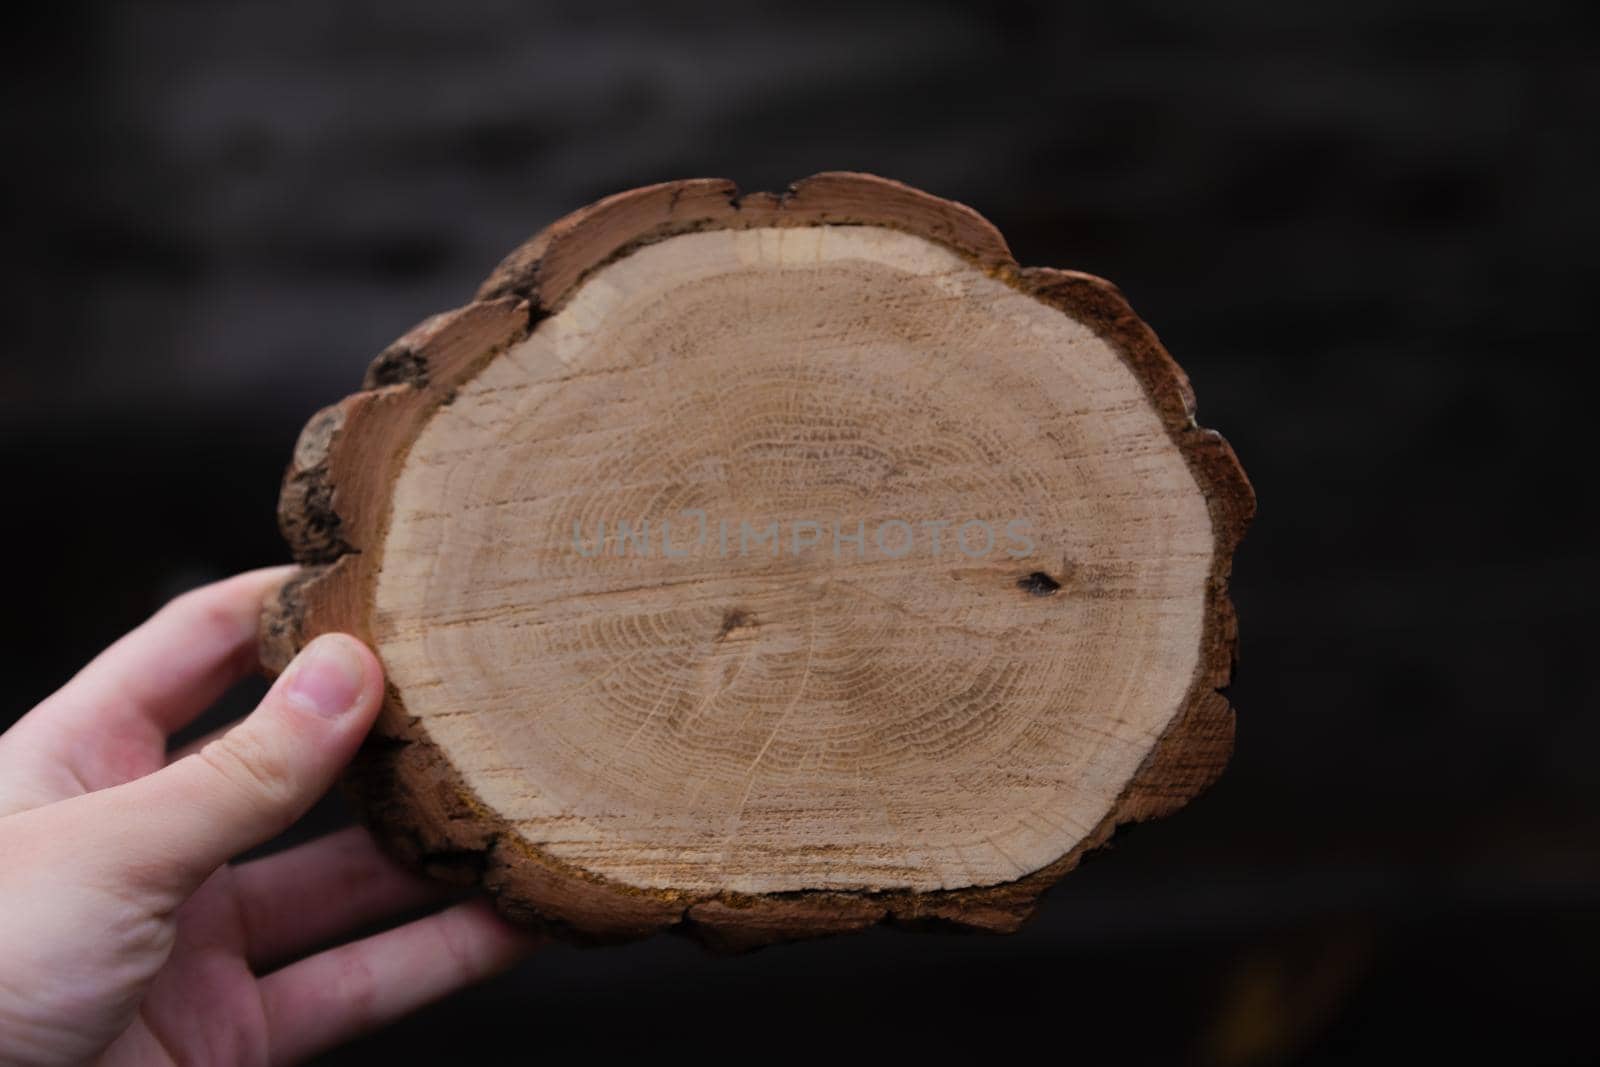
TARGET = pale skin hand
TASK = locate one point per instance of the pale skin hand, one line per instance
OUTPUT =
(126, 936)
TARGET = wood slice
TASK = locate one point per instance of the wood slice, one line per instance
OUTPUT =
(772, 565)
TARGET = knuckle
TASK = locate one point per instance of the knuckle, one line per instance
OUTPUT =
(251, 768)
(455, 947)
(357, 987)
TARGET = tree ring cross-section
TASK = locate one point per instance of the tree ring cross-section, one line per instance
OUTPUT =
(772, 565)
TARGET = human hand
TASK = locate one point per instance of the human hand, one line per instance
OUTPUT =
(125, 935)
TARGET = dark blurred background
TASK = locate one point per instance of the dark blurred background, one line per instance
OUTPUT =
(1365, 228)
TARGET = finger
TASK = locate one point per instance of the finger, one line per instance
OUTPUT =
(330, 998)
(109, 724)
(180, 661)
(169, 830)
(303, 898)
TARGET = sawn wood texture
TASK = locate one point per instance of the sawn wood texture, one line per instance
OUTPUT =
(615, 737)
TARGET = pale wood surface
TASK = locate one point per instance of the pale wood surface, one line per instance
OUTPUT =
(759, 745)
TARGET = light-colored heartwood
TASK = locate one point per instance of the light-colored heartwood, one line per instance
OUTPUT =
(773, 566)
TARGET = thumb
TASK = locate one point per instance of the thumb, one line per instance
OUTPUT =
(173, 828)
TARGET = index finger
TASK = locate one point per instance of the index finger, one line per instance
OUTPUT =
(175, 665)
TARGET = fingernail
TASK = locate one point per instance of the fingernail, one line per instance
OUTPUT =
(327, 677)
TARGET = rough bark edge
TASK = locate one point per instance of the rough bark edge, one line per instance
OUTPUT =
(334, 512)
